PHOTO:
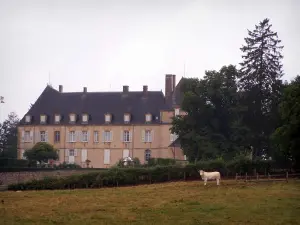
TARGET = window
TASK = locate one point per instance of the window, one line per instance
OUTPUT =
(126, 118)
(148, 117)
(27, 118)
(85, 118)
(177, 111)
(107, 136)
(96, 136)
(57, 118)
(72, 118)
(71, 152)
(84, 136)
(27, 136)
(56, 136)
(148, 137)
(72, 136)
(107, 118)
(43, 119)
(106, 156)
(43, 136)
(147, 154)
(126, 136)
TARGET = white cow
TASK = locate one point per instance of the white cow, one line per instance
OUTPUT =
(210, 176)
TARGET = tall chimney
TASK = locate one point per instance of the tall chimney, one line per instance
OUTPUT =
(60, 88)
(84, 89)
(125, 88)
(145, 89)
(170, 82)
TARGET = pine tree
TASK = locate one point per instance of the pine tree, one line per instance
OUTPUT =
(260, 82)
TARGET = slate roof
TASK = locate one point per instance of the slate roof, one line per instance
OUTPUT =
(96, 104)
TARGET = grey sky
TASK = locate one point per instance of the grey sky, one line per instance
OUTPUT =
(106, 44)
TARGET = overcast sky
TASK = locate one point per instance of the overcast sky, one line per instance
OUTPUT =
(104, 45)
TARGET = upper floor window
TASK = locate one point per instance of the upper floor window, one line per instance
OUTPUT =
(107, 136)
(72, 118)
(57, 118)
(72, 136)
(177, 112)
(56, 136)
(43, 136)
(148, 136)
(27, 118)
(96, 136)
(107, 118)
(126, 118)
(43, 118)
(84, 136)
(148, 117)
(126, 136)
(85, 118)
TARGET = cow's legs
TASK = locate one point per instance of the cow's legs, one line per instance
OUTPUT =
(205, 181)
(218, 181)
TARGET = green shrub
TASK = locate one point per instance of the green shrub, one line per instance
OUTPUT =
(12, 162)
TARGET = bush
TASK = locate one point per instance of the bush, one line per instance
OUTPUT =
(12, 162)
(161, 162)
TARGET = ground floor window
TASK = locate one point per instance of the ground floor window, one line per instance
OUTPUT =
(147, 154)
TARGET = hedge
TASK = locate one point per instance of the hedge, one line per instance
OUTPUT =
(12, 162)
(37, 169)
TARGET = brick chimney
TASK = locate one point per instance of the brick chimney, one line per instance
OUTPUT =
(170, 82)
(85, 89)
(60, 88)
(145, 89)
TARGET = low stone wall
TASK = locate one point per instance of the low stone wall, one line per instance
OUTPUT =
(17, 177)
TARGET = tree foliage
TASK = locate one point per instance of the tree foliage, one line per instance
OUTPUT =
(8, 136)
(41, 152)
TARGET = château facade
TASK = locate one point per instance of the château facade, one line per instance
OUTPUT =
(104, 127)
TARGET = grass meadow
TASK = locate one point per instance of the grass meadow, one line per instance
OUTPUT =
(188, 203)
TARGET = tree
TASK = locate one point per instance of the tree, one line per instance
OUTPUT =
(209, 129)
(259, 81)
(41, 152)
(9, 137)
(287, 136)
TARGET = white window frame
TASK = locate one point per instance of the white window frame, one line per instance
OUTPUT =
(72, 117)
(57, 118)
(85, 118)
(27, 118)
(72, 136)
(148, 117)
(107, 136)
(43, 118)
(96, 136)
(56, 132)
(126, 118)
(84, 136)
(148, 136)
(126, 136)
(177, 111)
(107, 118)
(27, 137)
(43, 136)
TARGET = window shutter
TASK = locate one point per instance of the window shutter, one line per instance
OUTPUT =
(152, 136)
(22, 135)
(46, 136)
(75, 152)
(122, 136)
(111, 136)
(31, 136)
(83, 155)
(130, 136)
(143, 135)
(125, 153)
(103, 136)
(106, 156)
(37, 136)
(88, 136)
(67, 136)
(66, 155)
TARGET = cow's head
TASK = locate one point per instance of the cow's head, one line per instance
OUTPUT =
(201, 172)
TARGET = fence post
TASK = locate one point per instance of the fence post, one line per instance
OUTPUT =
(236, 176)
(257, 176)
(246, 176)
(287, 176)
(184, 175)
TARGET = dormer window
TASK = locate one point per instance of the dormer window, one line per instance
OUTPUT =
(107, 118)
(126, 118)
(27, 118)
(148, 117)
(72, 118)
(43, 118)
(85, 118)
(57, 118)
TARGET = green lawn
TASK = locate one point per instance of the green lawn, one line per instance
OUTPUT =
(170, 203)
